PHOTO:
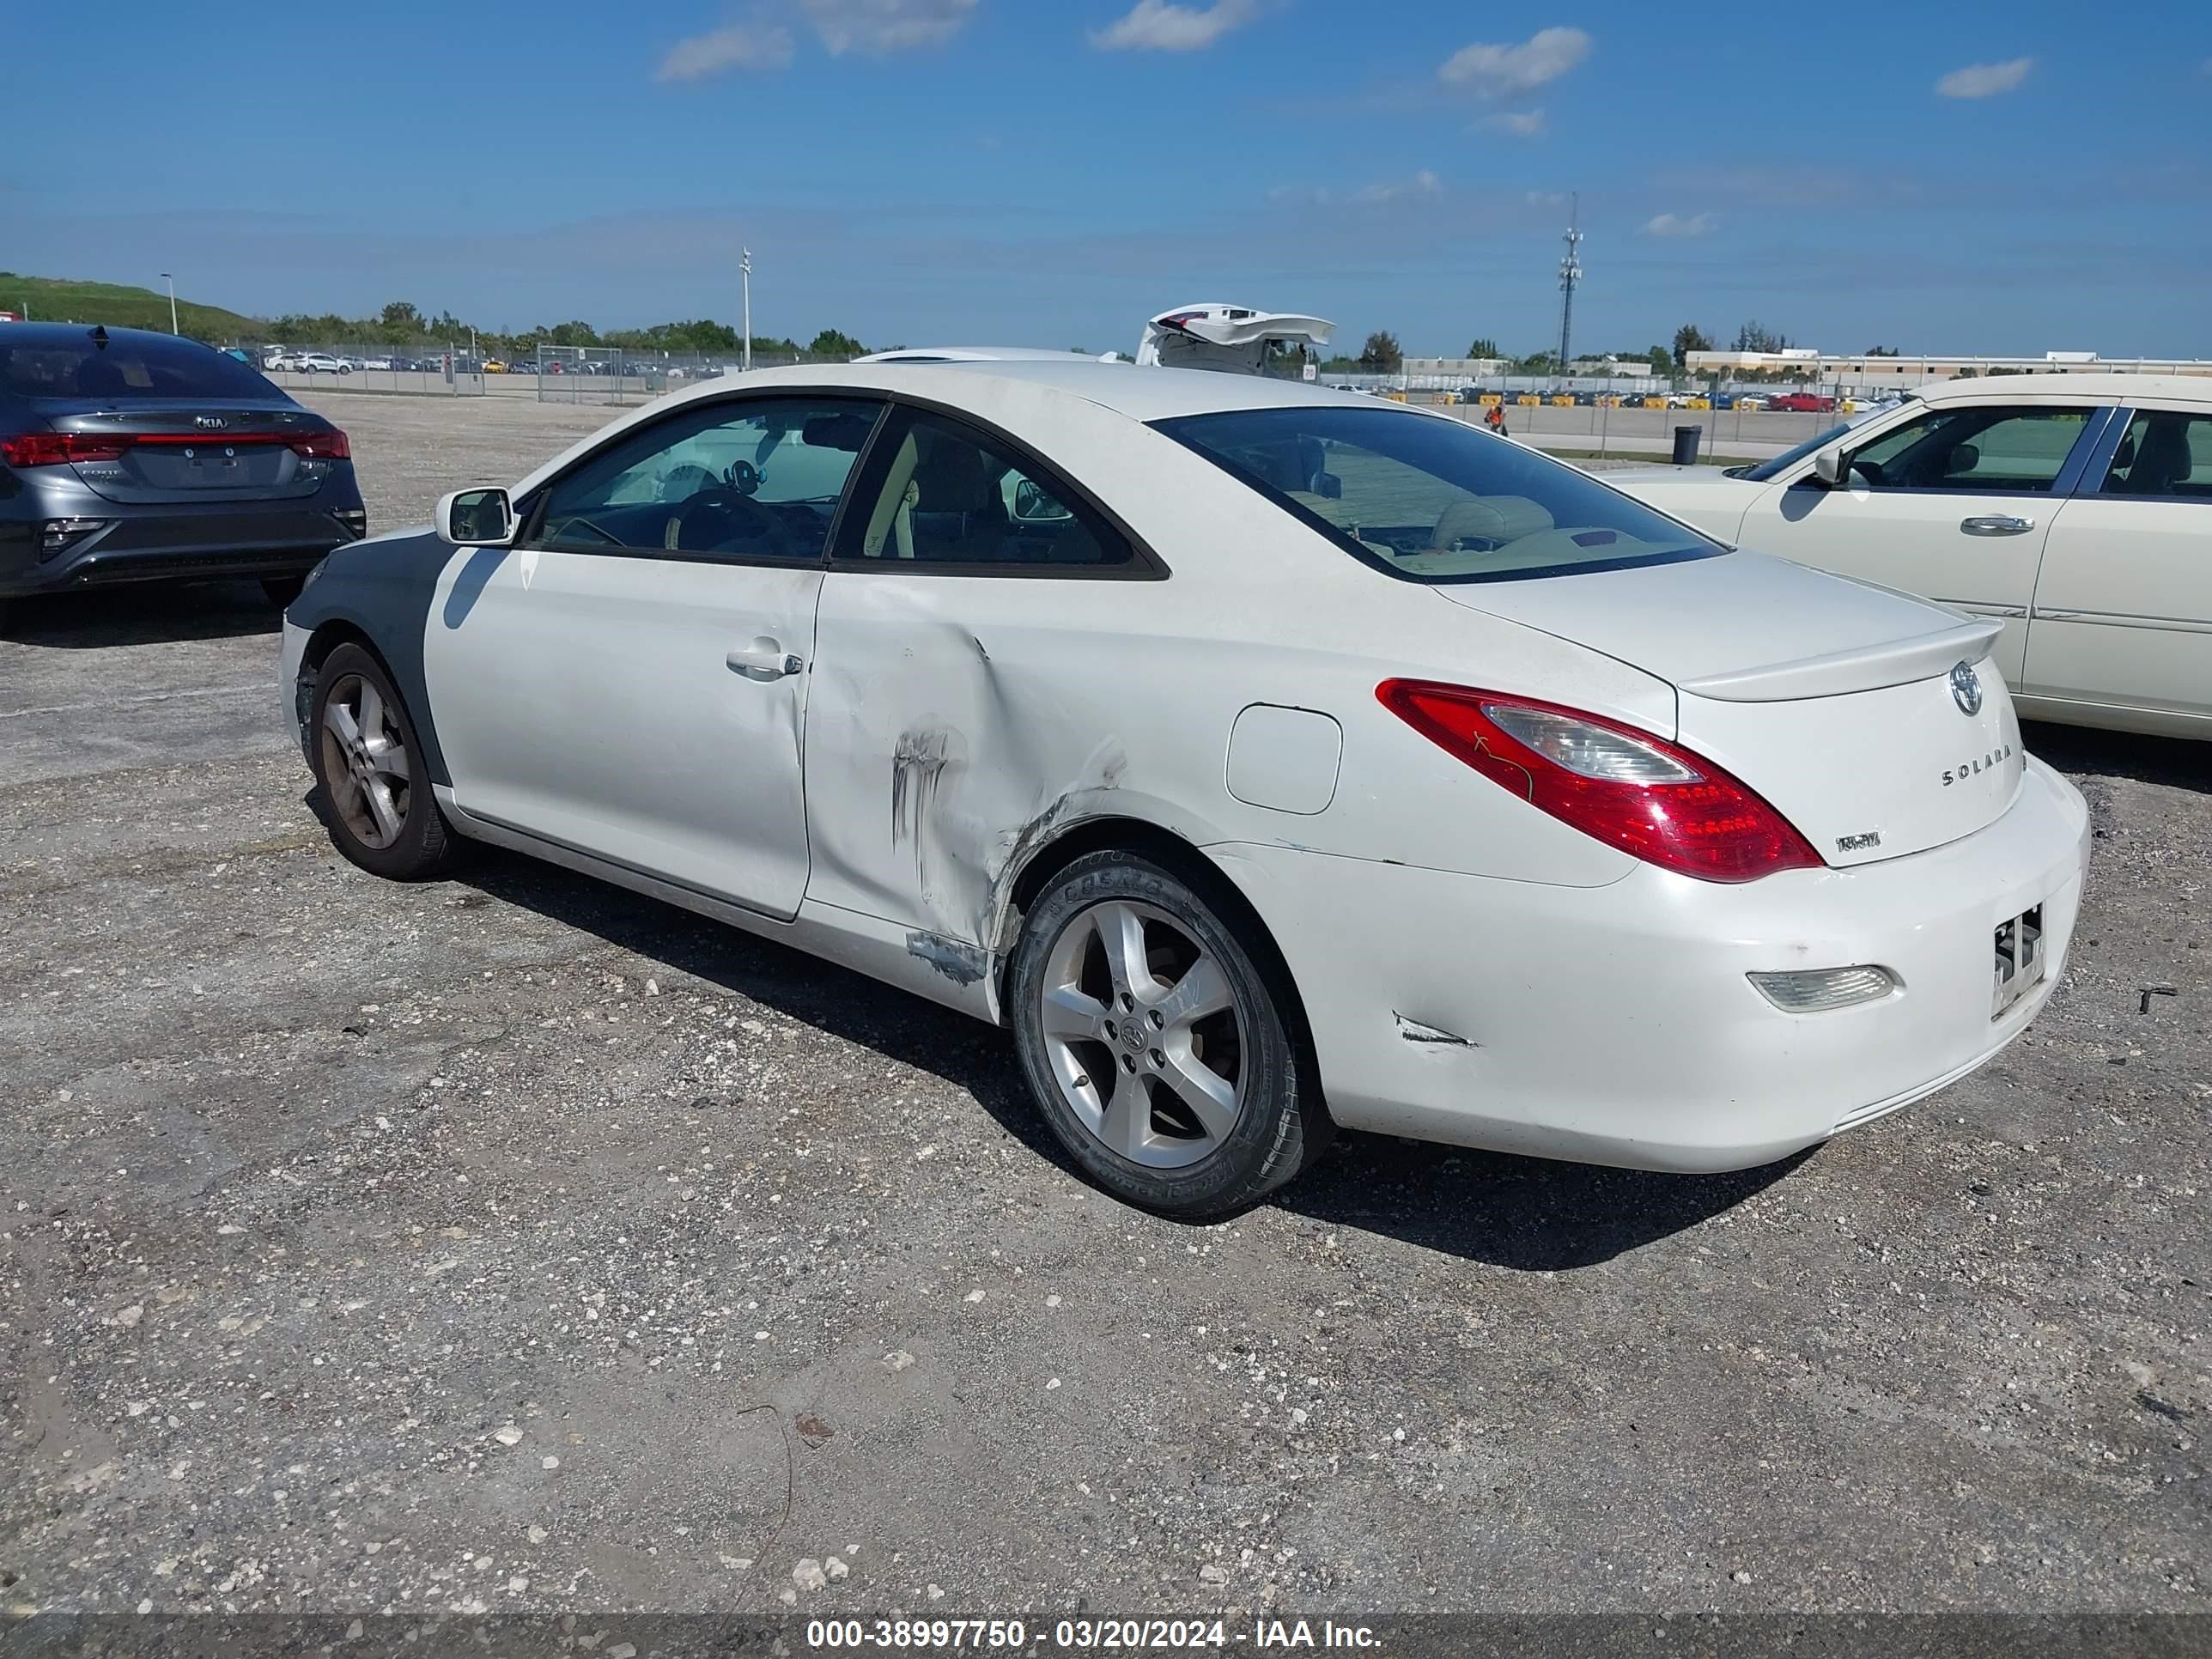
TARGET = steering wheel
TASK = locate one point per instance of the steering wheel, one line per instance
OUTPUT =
(720, 514)
(681, 482)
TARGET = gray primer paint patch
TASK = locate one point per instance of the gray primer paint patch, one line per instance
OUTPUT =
(963, 965)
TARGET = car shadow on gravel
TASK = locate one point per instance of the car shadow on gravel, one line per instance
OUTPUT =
(2175, 763)
(835, 1000)
(153, 613)
(1529, 1214)
(1524, 1213)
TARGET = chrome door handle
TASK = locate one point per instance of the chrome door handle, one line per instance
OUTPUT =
(1996, 524)
(763, 659)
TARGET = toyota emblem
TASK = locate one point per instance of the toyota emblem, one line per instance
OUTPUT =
(1966, 688)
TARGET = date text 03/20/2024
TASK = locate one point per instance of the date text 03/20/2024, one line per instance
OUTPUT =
(1085, 1634)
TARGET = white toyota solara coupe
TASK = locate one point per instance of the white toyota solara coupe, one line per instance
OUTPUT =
(1267, 759)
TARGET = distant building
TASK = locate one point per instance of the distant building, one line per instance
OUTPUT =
(1915, 369)
(1462, 370)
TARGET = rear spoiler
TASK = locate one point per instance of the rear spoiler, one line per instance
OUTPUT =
(1896, 662)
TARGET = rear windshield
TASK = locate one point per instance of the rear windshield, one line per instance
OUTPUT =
(1432, 500)
(125, 367)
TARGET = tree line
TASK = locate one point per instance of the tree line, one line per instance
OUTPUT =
(401, 323)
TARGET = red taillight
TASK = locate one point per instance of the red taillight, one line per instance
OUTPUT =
(57, 448)
(1642, 794)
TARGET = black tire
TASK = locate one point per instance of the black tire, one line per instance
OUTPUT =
(283, 590)
(1281, 1126)
(424, 846)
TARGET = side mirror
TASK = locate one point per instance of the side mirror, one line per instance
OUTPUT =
(1328, 486)
(476, 518)
(1828, 466)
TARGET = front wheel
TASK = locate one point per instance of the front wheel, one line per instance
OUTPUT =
(1164, 1054)
(383, 815)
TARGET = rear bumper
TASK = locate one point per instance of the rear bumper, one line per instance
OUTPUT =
(1615, 1024)
(180, 544)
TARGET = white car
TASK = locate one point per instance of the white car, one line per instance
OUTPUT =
(1267, 759)
(2074, 511)
(319, 362)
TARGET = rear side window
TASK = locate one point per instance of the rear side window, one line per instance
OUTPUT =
(1432, 500)
(2164, 452)
(126, 369)
(946, 494)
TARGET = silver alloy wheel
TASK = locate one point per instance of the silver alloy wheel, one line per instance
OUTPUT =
(1143, 1034)
(365, 762)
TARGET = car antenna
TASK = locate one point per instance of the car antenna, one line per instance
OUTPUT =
(100, 336)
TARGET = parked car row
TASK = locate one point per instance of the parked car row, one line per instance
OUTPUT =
(292, 359)
(1805, 402)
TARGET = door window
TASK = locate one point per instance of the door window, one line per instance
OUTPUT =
(2164, 453)
(952, 496)
(1995, 450)
(755, 479)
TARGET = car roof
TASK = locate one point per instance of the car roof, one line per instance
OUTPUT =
(2099, 388)
(1140, 393)
(75, 333)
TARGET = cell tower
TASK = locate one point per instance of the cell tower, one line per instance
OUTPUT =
(1570, 273)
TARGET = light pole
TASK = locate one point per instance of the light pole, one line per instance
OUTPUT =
(1570, 273)
(745, 267)
(172, 282)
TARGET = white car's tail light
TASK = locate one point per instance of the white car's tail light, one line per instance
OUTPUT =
(1822, 990)
(1641, 793)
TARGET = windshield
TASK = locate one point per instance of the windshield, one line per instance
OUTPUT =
(1432, 500)
(126, 366)
(1767, 470)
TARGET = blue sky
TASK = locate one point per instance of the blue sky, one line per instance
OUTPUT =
(1956, 176)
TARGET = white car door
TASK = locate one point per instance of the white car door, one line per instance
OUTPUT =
(2123, 609)
(967, 575)
(630, 681)
(1953, 503)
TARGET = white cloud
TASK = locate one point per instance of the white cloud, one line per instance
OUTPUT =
(874, 27)
(1424, 187)
(1161, 26)
(877, 26)
(1493, 70)
(1521, 124)
(1985, 79)
(740, 46)
(1679, 224)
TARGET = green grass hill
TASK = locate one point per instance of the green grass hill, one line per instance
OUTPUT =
(57, 300)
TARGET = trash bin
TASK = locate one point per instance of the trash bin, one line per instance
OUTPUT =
(1685, 445)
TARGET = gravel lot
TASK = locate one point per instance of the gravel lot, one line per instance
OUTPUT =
(516, 1242)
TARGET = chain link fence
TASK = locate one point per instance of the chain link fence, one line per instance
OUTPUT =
(449, 367)
(550, 373)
